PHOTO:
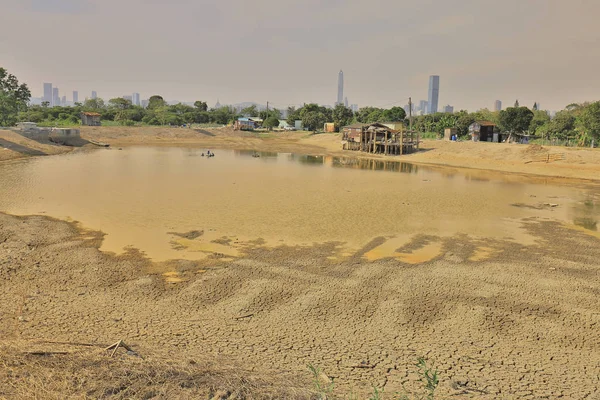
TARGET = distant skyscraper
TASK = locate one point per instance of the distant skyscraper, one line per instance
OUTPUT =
(55, 97)
(136, 99)
(434, 93)
(340, 96)
(130, 98)
(63, 101)
(145, 103)
(75, 96)
(498, 105)
(449, 109)
(47, 93)
(94, 95)
(354, 107)
(422, 107)
(345, 102)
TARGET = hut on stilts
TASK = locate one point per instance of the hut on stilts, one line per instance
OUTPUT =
(377, 138)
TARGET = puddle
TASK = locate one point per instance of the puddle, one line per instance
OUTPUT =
(420, 255)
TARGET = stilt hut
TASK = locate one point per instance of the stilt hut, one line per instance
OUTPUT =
(379, 139)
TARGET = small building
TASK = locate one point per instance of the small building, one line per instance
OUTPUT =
(298, 125)
(247, 124)
(352, 132)
(450, 134)
(329, 127)
(396, 126)
(484, 131)
(379, 139)
(90, 119)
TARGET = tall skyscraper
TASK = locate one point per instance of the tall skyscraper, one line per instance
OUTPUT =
(422, 107)
(345, 102)
(130, 98)
(75, 96)
(136, 99)
(47, 93)
(340, 96)
(354, 107)
(55, 97)
(434, 93)
(63, 101)
(449, 109)
(94, 95)
(498, 105)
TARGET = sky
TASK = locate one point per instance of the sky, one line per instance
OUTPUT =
(290, 52)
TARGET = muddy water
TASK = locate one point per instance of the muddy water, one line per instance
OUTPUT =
(172, 203)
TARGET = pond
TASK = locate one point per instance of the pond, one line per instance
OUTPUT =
(174, 203)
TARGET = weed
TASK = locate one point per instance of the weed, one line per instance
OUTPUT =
(429, 377)
(323, 385)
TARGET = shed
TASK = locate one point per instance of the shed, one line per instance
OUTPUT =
(352, 132)
(450, 133)
(247, 124)
(397, 126)
(90, 119)
(484, 131)
(329, 127)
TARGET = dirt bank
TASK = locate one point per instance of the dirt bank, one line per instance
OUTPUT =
(14, 146)
(522, 323)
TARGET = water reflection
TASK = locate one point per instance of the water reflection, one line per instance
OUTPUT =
(375, 165)
(256, 154)
(586, 213)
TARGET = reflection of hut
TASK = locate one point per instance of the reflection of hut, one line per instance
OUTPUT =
(378, 138)
(90, 119)
(484, 131)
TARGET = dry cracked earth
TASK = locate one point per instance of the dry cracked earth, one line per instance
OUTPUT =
(523, 323)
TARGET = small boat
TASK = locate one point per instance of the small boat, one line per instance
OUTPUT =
(94, 142)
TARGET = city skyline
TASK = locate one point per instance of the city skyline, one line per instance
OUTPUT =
(476, 69)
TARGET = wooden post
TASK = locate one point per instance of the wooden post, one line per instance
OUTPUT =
(385, 151)
(401, 143)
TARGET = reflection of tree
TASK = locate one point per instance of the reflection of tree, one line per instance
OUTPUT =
(252, 153)
(586, 223)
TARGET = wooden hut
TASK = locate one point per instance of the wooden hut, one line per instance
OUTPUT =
(90, 119)
(379, 139)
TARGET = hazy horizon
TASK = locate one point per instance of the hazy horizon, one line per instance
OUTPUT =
(534, 51)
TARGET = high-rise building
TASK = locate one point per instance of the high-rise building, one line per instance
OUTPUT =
(145, 103)
(55, 97)
(449, 109)
(498, 105)
(47, 93)
(354, 107)
(130, 98)
(94, 95)
(63, 101)
(345, 102)
(340, 96)
(422, 107)
(75, 96)
(136, 99)
(434, 93)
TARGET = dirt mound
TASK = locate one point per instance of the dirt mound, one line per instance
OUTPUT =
(534, 149)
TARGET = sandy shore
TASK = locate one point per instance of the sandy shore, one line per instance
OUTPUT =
(516, 322)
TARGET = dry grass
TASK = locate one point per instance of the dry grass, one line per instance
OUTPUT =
(89, 373)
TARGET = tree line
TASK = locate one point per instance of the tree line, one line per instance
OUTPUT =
(579, 123)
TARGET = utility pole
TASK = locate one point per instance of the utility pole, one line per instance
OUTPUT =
(410, 114)
(267, 109)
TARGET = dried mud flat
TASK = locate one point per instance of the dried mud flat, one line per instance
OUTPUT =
(522, 322)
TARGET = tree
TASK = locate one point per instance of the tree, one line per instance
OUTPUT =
(342, 116)
(271, 122)
(13, 97)
(155, 102)
(394, 114)
(540, 118)
(250, 111)
(515, 119)
(120, 103)
(93, 104)
(313, 120)
(587, 124)
(201, 105)
(293, 116)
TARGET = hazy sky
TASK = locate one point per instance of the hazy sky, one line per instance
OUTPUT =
(289, 52)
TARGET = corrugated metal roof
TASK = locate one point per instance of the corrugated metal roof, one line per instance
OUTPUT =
(91, 114)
